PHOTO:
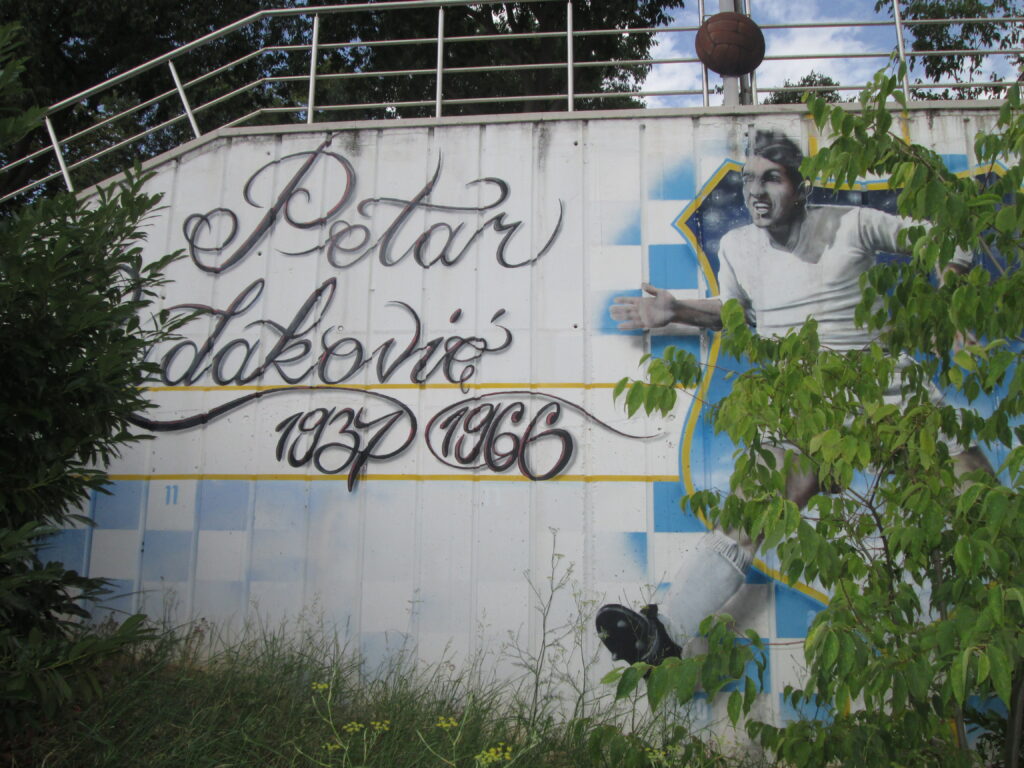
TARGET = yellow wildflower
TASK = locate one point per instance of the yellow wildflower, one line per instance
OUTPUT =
(444, 723)
(655, 755)
(380, 725)
(501, 753)
(352, 727)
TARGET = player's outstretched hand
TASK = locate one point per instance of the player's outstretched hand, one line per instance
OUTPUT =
(634, 313)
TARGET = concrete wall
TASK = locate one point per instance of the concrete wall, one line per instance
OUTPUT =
(403, 393)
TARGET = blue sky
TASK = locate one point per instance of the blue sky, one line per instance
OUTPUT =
(846, 38)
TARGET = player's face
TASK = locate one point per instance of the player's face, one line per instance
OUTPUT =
(772, 198)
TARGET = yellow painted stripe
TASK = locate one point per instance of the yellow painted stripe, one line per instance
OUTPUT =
(693, 417)
(373, 387)
(465, 478)
(998, 169)
(812, 136)
(779, 576)
(680, 223)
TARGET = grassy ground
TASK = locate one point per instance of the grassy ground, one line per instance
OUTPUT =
(287, 699)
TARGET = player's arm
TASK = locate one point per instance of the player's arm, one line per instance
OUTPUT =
(660, 308)
(881, 231)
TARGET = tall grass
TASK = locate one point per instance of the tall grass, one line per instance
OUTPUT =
(297, 696)
(281, 698)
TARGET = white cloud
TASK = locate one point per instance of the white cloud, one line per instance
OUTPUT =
(783, 11)
(829, 41)
(675, 77)
(842, 39)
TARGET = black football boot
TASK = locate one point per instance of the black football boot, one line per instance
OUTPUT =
(632, 636)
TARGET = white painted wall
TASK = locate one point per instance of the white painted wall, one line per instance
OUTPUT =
(210, 522)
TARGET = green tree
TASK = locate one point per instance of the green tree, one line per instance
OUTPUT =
(986, 33)
(78, 45)
(74, 329)
(811, 79)
(925, 568)
(518, 19)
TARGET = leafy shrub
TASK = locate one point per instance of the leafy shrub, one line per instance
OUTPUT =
(73, 336)
(922, 637)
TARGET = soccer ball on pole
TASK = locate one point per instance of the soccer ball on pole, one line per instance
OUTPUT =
(730, 44)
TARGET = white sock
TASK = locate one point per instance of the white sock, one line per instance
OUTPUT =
(710, 575)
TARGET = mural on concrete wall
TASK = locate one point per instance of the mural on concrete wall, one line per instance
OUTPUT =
(791, 262)
(401, 330)
(305, 353)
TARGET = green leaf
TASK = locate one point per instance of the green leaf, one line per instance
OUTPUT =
(631, 677)
(686, 685)
(934, 196)
(652, 398)
(830, 651)
(817, 109)
(984, 666)
(1000, 672)
(1006, 219)
(635, 398)
(669, 401)
(927, 442)
(734, 706)
(613, 676)
(962, 555)
(620, 387)
(847, 654)
(995, 603)
(661, 680)
(1016, 593)
(964, 359)
(749, 693)
(958, 674)
(919, 677)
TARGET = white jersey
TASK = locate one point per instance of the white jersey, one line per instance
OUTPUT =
(819, 278)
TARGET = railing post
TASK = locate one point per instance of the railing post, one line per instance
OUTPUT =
(314, 53)
(184, 99)
(753, 75)
(571, 92)
(60, 155)
(703, 69)
(730, 85)
(901, 47)
(440, 59)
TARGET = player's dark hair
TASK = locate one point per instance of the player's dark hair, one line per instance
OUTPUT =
(780, 149)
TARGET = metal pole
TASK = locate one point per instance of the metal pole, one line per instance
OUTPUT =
(314, 54)
(184, 99)
(569, 55)
(703, 69)
(753, 75)
(730, 85)
(60, 156)
(440, 59)
(897, 17)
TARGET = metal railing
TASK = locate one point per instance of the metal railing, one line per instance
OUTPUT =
(287, 92)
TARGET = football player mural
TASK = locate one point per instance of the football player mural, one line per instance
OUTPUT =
(791, 262)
